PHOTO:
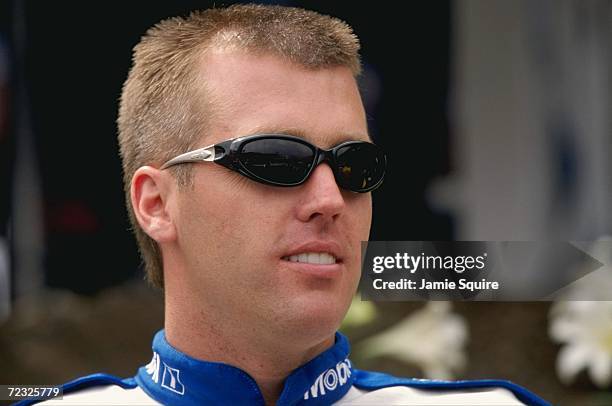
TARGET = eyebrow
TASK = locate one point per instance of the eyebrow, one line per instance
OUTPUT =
(266, 129)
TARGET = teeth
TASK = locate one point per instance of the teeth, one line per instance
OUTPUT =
(319, 258)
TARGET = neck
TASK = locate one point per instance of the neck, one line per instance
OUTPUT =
(267, 357)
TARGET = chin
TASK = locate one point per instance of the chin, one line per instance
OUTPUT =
(317, 318)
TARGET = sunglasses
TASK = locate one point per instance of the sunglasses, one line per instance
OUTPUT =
(285, 160)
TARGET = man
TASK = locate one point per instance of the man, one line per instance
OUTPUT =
(248, 171)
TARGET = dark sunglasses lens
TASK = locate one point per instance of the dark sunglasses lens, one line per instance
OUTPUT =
(360, 167)
(279, 161)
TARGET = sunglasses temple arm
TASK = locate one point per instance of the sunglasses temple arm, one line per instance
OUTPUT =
(206, 154)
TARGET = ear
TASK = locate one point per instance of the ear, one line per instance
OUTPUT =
(150, 192)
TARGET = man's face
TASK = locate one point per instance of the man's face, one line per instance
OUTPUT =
(235, 234)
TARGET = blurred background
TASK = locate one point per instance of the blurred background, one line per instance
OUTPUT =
(496, 116)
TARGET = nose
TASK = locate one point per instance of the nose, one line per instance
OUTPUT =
(322, 196)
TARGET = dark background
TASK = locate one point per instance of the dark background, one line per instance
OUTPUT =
(94, 314)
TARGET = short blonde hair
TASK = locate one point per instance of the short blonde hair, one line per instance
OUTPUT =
(163, 109)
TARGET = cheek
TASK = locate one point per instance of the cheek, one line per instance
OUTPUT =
(359, 218)
(227, 227)
(360, 208)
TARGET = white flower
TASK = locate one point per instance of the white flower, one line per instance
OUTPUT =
(586, 330)
(586, 326)
(431, 338)
(360, 313)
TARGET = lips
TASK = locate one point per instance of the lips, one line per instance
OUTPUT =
(318, 259)
(316, 253)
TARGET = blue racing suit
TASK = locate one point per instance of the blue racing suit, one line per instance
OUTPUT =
(174, 378)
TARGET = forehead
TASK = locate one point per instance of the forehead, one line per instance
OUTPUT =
(251, 94)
